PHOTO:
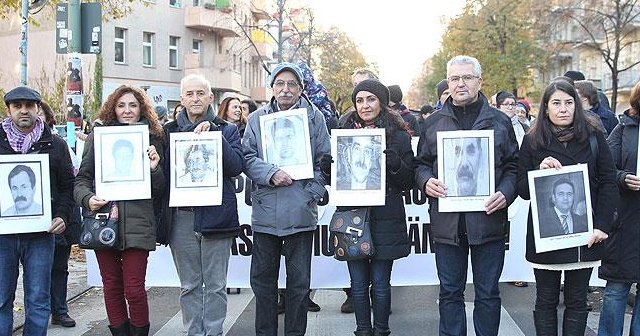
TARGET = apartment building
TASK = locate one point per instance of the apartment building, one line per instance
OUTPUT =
(157, 44)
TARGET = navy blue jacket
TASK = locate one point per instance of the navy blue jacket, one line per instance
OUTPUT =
(211, 220)
(609, 120)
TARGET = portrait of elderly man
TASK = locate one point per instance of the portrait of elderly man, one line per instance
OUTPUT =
(199, 167)
(467, 156)
(560, 219)
(360, 163)
(22, 183)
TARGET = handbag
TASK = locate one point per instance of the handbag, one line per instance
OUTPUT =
(351, 235)
(99, 230)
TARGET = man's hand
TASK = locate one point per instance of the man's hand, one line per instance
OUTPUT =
(153, 156)
(597, 237)
(632, 182)
(205, 126)
(96, 203)
(496, 202)
(550, 162)
(281, 179)
(435, 188)
(57, 226)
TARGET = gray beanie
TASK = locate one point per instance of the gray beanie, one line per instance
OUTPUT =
(286, 66)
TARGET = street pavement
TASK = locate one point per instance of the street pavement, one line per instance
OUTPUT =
(415, 311)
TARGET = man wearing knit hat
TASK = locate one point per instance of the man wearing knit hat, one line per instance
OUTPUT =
(442, 93)
(396, 105)
(23, 132)
(285, 212)
(479, 232)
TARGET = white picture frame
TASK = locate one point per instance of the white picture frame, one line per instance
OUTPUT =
(286, 142)
(33, 212)
(547, 229)
(122, 166)
(361, 181)
(466, 167)
(196, 169)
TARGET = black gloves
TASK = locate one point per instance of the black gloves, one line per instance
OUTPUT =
(325, 164)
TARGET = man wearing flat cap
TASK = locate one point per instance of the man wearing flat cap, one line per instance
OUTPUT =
(161, 112)
(285, 212)
(23, 132)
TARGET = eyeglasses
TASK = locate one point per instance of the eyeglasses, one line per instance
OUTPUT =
(511, 105)
(290, 84)
(464, 78)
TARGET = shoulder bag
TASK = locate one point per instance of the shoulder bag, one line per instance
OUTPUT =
(99, 230)
(351, 235)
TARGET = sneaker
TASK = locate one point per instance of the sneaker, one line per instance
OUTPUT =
(63, 320)
(312, 307)
(347, 306)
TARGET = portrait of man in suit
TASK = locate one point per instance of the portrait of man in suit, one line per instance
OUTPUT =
(360, 166)
(22, 183)
(560, 219)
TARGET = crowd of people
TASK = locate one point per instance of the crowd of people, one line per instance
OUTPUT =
(573, 126)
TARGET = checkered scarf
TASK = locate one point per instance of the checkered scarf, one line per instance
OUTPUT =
(21, 142)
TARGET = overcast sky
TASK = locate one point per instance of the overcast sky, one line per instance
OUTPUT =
(398, 35)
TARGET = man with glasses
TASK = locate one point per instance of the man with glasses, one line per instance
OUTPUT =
(481, 232)
(284, 210)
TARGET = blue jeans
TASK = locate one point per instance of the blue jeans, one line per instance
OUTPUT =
(265, 266)
(59, 277)
(35, 252)
(613, 308)
(486, 263)
(376, 273)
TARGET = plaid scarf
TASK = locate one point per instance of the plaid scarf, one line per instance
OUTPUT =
(21, 142)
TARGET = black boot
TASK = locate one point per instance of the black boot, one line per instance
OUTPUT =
(546, 322)
(377, 332)
(121, 330)
(574, 322)
(139, 331)
(363, 333)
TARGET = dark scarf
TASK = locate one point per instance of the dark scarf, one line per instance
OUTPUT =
(185, 125)
(359, 123)
(564, 135)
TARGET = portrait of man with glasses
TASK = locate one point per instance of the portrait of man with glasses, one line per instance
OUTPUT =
(359, 166)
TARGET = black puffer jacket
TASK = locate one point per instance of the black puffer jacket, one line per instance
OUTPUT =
(389, 222)
(622, 260)
(604, 192)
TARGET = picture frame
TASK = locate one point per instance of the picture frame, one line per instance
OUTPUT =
(554, 192)
(25, 196)
(286, 142)
(122, 167)
(466, 167)
(196, 169)
(359, 167)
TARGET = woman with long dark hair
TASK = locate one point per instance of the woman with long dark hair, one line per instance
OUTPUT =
(123, 268)
(565, 135)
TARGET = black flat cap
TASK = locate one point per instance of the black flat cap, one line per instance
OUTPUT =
(22, 93)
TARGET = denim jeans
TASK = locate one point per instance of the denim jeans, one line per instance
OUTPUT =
(613, 309)
(486, 262)
(35, 252)
(202, 263)
(59, 276)
(576, 283)
(265, 266)
(376, 273)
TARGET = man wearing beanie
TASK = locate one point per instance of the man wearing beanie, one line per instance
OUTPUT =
(396, 105)
(479, 232)
(442, 93)
(284, 212)
(161, 112)
(23, 132)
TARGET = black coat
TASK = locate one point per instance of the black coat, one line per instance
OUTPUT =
(389, 221)
(622, 260)
(604, 192)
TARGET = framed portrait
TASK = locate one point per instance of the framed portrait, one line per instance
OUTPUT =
(359, 175)
(286, 143)
(466, 167)
(560, 207)
(25, 194)
(122, 170)
(196, 169)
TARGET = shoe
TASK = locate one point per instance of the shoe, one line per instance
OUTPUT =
(139, 331)
(520, 284)
(347, 306)
(121, 330)
(313, 307)
(63, 320)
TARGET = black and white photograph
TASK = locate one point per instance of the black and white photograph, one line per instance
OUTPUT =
(196, 166)
(359, 177)
(122, 163)
(560, 205)
(25, 193)
(465, 166)
(285, 142)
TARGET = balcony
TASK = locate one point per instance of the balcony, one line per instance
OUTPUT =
(261, 93)
(215, 20)
(265, 50)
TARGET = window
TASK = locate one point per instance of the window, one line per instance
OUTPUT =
(196, 46)
(120, 45)
(173, 51)
(174, 3)
(147, 49)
